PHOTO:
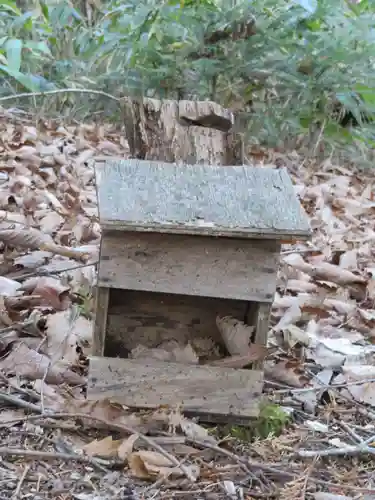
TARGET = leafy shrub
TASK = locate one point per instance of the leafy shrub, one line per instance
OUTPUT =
(271, 422)
(291, 66)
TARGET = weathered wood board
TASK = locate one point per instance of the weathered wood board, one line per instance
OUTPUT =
(190, 265)
(235, 201)
(149, 319)
(200, 389)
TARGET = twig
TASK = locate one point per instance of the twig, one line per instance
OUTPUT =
(335, 452)
(240, 461)
(26, 418)
(52, 455)
(116, 427)
(369, 440)
(292, 475)
(249, 463)
(324, 386)
(42, 272)
(17, 491)
(306, 480)
(303, 250)
(147, 440)
(161, 480)
(16, 326)
(59, 91)
(350, 431)
(27, 392)
(20, 403)
(319, 136)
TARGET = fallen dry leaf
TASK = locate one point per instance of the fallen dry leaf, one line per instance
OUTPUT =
(105, 448)
(8, 287)
(51, 222)
(166, 351)
(256, 352)
(291, 316)
(33, 239)
(67, 334)
(287, 373)
(25, 238)
(25, 362)
(195, 431)
(126, 446)
(362, 393)
(235, 333)
(53, 293)
(325, 271)
(151, 464)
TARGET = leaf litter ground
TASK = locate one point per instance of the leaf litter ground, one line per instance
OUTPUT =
(319, 370)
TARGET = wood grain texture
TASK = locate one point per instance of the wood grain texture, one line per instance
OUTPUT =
(200, 389)
(259, 316)
(150, 319)
(100, 325)
(235, 201)
(189, 265)
(157, 130)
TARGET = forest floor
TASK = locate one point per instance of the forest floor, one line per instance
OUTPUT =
(316, 434)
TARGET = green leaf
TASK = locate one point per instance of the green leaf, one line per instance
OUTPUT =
(350, 103)
(38, 47)
(366, 93)
(13, 47)
(24, 21)
(309, 5)
(313, 24)
(10, 6)
(45, 10)
(30, 82)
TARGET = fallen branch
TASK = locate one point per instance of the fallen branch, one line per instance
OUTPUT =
(246, 462)
(17, 491)
(303, 250)
(20, 403)
(271, 468)
(59, 91)
(6, 452)
(294, 475)
(70, 253)
(27, 392)
(115, 427)
(351, 432)
(293, 390)
(43, 272)
(335, 452)
(17, 326)
(33, 239)
(242, 462)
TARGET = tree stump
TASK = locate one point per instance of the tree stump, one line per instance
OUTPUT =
(192, 132)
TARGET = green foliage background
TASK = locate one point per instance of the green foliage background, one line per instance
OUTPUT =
(285, 64)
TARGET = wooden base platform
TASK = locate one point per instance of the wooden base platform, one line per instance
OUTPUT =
(212, 393)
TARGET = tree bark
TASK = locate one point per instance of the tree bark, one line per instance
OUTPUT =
(182, 132)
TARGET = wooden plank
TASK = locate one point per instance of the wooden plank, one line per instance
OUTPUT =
(100, 326)
(150, 319)
(200, 389)
(259, 315)
(190, 265)
(235, 201)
